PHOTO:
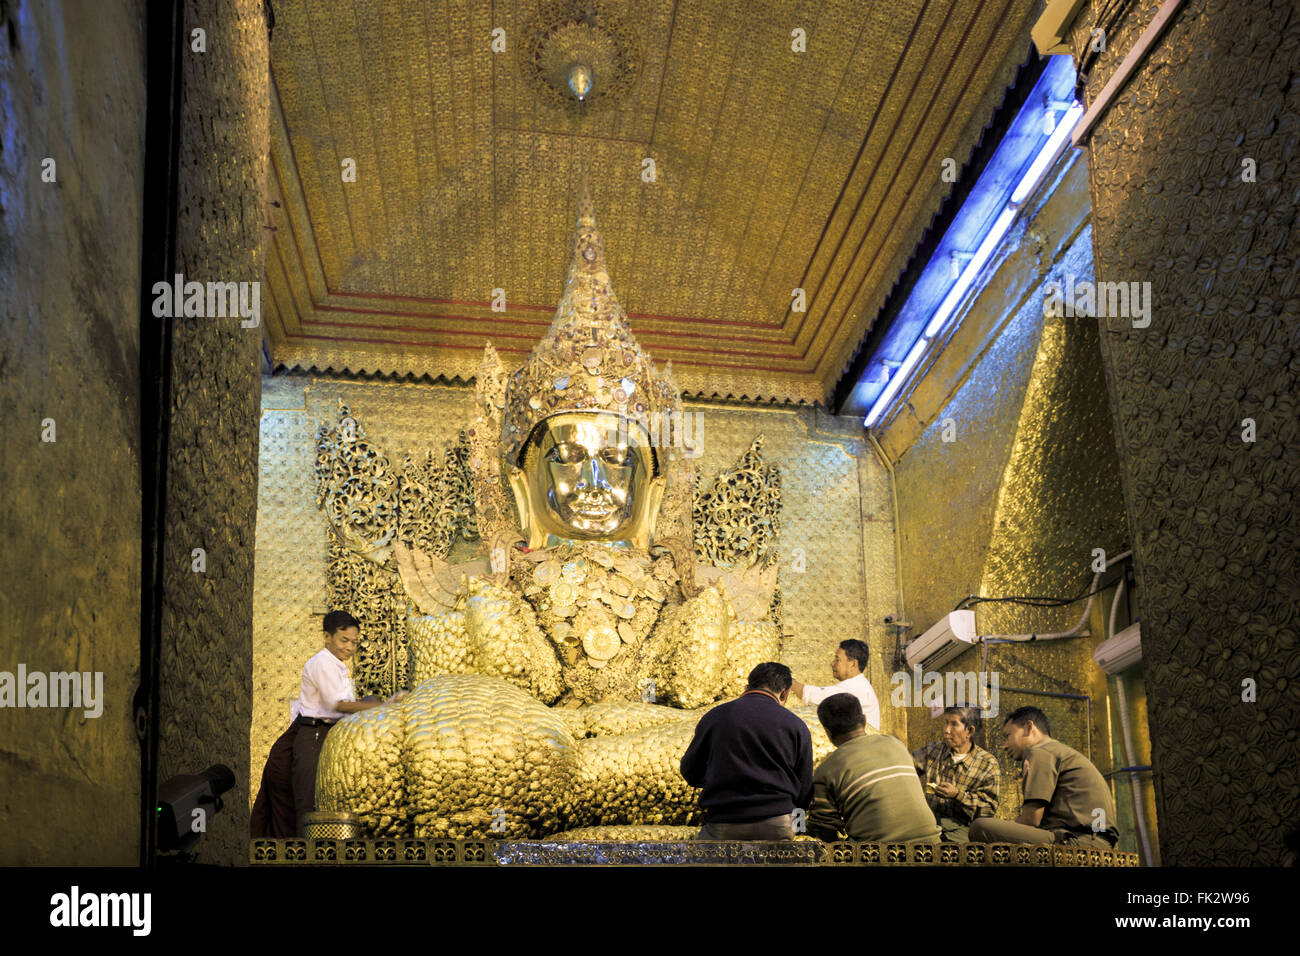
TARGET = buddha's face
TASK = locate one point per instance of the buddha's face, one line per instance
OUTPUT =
(584, 477)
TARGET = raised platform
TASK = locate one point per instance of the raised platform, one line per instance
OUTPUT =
(419, 852)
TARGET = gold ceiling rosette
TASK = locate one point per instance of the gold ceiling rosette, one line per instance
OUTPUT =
(588, 360)
(579, 54)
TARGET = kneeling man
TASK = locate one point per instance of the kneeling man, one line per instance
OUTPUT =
(753, 760)
(1066, 797)
(868, 788)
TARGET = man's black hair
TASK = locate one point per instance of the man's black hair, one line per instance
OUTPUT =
(771, 676)
(1023, 715)
(337, 620)
(841, 714)
(856, 650)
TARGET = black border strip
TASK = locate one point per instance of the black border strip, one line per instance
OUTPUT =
(165, 41)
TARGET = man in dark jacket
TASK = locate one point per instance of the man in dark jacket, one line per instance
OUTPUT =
(753, 760)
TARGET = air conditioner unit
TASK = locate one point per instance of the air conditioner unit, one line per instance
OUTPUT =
(953, 634)
(1121, 651)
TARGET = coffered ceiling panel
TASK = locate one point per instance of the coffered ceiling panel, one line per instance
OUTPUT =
(774, 170)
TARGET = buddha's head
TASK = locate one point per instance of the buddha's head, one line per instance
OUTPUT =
(588, 476)
(575, 441)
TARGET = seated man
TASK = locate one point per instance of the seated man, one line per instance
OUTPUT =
(1066, 797)
(962, 780)
(753, 760)
(849, 667)
(867, 788)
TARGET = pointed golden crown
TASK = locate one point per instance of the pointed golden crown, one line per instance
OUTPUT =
(588, 359)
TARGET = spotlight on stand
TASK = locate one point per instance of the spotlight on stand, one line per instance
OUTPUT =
(186, 804)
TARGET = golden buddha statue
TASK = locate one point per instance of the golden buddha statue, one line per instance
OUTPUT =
(557, 679)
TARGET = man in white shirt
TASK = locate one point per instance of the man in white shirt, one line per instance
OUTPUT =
(849, 668)
(327, 695)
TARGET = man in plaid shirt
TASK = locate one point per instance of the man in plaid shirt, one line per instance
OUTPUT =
(962, 781)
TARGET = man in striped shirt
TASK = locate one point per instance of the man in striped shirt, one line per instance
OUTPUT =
(868, 788)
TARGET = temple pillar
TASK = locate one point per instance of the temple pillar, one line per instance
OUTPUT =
(211, 497)
(1193, 171)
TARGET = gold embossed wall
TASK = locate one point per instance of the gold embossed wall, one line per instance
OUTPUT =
(835, 522)
(1015, 505)
(212, 453)
(1214, 516)
(1010, 482)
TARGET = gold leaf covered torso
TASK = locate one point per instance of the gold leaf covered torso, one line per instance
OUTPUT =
(599, 606)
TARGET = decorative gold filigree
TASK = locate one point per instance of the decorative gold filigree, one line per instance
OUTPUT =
(356, 487)
(371, 508)
(738, 519)
(569, 32)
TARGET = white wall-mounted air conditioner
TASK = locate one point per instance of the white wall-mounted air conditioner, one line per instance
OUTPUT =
(953, 634)
(1121, 651)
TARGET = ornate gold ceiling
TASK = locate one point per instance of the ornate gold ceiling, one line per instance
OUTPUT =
(774, 170)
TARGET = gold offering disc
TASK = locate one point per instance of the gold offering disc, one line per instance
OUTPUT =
(574, 571)
(563, 594)
(601, 643)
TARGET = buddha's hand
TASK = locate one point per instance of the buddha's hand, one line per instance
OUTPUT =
(694, 637)
(433, 585)
(505, 640)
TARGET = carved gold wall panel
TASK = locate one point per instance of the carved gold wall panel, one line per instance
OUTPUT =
(213, 441)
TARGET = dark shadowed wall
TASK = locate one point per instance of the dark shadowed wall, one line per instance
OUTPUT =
(69, 351)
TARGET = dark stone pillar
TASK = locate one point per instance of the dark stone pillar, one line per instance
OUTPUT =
(1213, 515)
(206, 684)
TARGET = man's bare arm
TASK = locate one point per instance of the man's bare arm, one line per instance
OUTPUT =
(1031, 814)
(354, 706)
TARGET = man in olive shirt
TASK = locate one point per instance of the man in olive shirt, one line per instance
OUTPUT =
(868, 788)
(1066, 797)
